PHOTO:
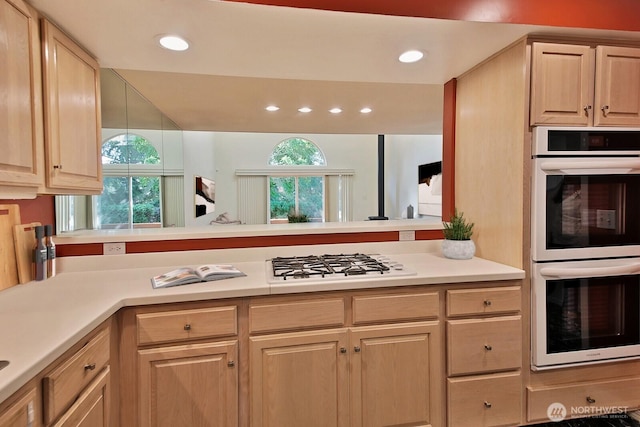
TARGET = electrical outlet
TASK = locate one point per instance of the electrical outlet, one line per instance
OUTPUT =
(114, 248)
(407, 235)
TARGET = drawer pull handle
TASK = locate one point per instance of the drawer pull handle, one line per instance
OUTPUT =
(231, 363)
(487, 404)
(586, 109)
(356, 349)
(90, 367)
(343, 350)
(187, 327)
(604, 109)
(590, 400)
(57, 166)
(487, 303)
(488, 347)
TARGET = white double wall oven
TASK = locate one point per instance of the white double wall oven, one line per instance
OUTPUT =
(585, 246)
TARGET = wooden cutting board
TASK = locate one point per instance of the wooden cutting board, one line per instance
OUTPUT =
(9, 216)
(24, 237)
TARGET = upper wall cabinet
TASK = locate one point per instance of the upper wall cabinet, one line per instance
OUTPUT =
(20, 98)
(577, 85)
(617, 86)
(71, 114)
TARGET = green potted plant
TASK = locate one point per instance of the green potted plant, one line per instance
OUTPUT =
(295, 216)
(457, 243)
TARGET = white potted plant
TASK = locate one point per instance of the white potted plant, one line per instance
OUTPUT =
(457, 243)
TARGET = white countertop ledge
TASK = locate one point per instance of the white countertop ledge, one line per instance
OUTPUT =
(234, 230)
(39, 321)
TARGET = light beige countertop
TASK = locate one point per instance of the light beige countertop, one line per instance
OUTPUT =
(39, 321)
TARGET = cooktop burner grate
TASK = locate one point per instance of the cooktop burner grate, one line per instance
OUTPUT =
(303, 267)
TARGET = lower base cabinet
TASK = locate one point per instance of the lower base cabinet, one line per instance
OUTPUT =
(23, 412)
(484, 400)
(92, 408)
(193, 385)
(362, 376)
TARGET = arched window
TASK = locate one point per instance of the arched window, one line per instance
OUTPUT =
(297, 151)
(129, 149)
(131, 184)
(297, 197)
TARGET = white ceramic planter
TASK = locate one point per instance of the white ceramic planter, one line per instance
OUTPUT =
(458, 249)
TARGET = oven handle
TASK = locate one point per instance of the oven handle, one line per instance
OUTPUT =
(617, 166)
(561, 272)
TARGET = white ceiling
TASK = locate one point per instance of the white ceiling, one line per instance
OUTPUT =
(245, 56)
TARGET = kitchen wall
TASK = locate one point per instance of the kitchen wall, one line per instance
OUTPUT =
(218, 155)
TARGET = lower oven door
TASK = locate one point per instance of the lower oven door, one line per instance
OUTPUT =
(585, 312)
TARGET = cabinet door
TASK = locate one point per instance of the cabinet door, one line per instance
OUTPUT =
(72, 114)
(561, 84)
(21, 138)
(92, 408)
(22, 413)
(192, 385)
(617, 96)
(396, 376)
(299, 379)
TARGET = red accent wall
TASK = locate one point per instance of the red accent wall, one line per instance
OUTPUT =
(599, 14)
(41, 209)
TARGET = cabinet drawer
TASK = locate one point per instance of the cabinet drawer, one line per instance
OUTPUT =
(186, 324)
(484, 345)
(92, 407)
(464, 302)
(482, 401)
(296, 315)
(395, 307)
(64, 383)
(581, 400)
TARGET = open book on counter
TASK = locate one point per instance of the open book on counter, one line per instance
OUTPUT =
(204, 273)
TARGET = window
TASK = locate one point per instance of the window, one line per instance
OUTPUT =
(131, 194)
(299, 197)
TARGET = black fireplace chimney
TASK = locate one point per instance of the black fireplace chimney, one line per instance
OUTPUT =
(380, 215)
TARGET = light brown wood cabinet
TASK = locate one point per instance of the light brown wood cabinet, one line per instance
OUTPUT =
(71, 114)
(76, 391)
(21, 137)
(484, 354)
(374, 375)
(24, 412)
(189, 385)
(181, 364)
(50, 114)
(577, 85)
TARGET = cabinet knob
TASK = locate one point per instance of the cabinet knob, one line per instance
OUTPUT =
(605, 109)
(356, 349)
(487, 302)
(343, 350)
(487, 404)
(590, 400)
(231, 363)
(187, 327)
(90, 367)
(57, 166)
(488, 347)
(586, 109)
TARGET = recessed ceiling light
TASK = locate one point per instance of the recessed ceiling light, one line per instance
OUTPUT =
(272, 108)
(366, 110)
(304, 109)
(174, 43)
(335, 110)
(411, 56)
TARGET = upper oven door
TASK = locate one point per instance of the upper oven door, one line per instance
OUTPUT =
(585, 208)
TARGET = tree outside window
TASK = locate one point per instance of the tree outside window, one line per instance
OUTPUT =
(297, 198)
(133, 199)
